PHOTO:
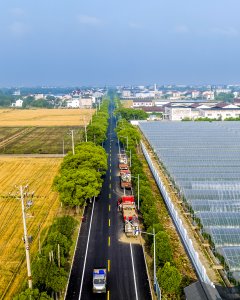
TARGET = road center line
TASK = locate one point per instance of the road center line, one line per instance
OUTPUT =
(109, 265)
(134, 276)
(109, 222)
(109, 207)
(108, 295)
(85, 258)
(109, 241)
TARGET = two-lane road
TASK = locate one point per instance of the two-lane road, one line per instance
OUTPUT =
(100, 243)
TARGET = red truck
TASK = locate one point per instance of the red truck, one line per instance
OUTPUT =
(125, 179)
(126, 204)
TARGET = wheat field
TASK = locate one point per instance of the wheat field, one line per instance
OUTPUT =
(38, 173)
(45, 117)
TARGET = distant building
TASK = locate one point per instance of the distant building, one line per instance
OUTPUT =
(85, 102)
(209, 95)
(224, 91)
(126, 94)
(73, 103)
(18, 103)
(177, 113)
(17, 93)
(142, 102)
(195, 94)
(38, 96)
(220, 111)
(149, 94)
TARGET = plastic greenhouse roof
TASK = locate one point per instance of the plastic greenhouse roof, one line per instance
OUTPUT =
(203, 159)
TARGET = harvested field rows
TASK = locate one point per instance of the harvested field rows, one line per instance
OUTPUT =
(39, 174)
(45, 117)
(42, 140)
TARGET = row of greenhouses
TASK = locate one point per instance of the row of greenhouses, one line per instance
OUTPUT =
(202, 160)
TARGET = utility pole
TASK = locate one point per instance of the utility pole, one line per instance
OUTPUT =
(39, 239)
(73, 150)
(26, 240)
(85, 128)
(154, 257)
(138, 191)
(63, 147)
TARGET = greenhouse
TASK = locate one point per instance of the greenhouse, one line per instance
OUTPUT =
(202, 159)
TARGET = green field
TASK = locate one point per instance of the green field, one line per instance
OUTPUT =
(40, 140)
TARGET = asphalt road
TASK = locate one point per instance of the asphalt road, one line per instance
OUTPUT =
(99, 246)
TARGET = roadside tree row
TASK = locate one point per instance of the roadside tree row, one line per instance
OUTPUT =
(80, 177)
(50, 267)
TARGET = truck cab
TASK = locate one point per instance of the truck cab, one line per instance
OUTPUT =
(99, 280)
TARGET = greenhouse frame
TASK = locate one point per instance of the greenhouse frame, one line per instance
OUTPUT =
(202, 159)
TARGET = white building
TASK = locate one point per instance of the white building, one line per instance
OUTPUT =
(74, 103)
(209, 95)
(220, 111)
(150, 94)
(126, 94)
(18, 103)
(85, 102)
(177, 113)
(142, 103)
(38, 96)
(224, 91)
(195, 94)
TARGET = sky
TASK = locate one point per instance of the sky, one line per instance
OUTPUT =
(119, 42)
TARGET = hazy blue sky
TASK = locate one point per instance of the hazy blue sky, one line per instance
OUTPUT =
(60, 42)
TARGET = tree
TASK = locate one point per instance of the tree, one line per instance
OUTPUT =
(96, 132)
(56, 238)
(131, 114)
(169, 278)
(56, 279)
(64, 225)
(47, 275)
(76, 186)
(86, 156)
(163, 248)
(32, 294)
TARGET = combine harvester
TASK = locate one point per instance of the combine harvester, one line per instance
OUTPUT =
(125, 179)
(126, 205)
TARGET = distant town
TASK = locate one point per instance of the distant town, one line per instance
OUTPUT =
(169, 102)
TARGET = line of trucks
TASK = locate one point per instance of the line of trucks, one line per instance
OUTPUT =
(126, 203)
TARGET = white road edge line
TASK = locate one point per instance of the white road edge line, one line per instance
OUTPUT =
(74, 254)
(149, 278)
(85, 258)
(134, 276)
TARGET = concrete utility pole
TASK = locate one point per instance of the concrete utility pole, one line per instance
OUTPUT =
(73, 150)
(85, 128)
(154, 257)
(26, 240)
(138, 191)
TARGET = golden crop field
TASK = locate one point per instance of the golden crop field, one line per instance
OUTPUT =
(45, 117)
(38, 173)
